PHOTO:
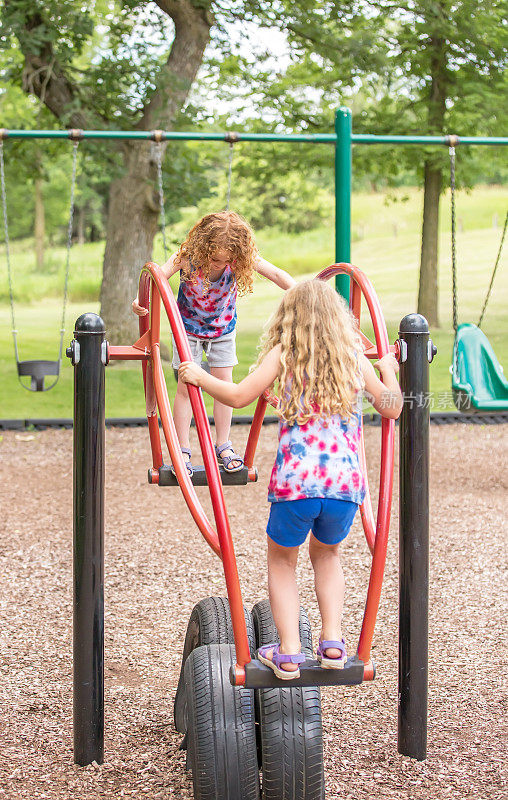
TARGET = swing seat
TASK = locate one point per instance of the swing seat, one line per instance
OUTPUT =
(478, 382)
(37, 371)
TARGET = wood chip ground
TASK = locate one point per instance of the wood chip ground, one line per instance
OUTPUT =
(158, 567)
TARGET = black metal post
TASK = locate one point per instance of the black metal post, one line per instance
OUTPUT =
(88, 355)
(416, 352)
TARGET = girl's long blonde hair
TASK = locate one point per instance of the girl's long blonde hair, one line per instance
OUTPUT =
(320, 371)
(222, 230)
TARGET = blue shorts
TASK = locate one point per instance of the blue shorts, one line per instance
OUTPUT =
(329, 520)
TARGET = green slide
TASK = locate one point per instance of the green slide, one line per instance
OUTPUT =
(478, 382)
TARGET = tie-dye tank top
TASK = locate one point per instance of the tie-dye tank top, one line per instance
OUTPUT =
(208, 311)
(318, 459)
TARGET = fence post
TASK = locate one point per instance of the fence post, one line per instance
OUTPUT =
(417, 351)
(88, 355)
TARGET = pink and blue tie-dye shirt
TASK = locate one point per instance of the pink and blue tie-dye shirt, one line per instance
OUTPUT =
(318, 459)
(208, 311)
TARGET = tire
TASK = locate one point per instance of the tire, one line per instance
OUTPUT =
(209, 623)
(221, 728)
(289, 725)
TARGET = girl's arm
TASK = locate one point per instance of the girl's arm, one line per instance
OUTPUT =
(385, 395)
(273, 273)
(169, 269)
(236, 395)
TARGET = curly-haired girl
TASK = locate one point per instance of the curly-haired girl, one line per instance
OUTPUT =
(313, 349)
(216, 262)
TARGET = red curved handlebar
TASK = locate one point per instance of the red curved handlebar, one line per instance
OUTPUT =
(221, 542)
(378, 541)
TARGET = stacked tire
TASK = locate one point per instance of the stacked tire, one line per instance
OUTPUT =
(289, 725)
(231, 733)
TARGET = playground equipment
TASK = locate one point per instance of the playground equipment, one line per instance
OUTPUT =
(38, 370)
(225, 695)
(478, 381)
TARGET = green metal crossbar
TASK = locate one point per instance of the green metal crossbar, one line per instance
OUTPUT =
(343, 139)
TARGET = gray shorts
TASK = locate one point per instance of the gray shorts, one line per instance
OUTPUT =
(219, 352)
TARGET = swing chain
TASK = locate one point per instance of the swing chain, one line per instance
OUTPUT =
(75, 144)
(230, 172)
(162, 213)
(7, 246)
(451, 151)
(494, 271)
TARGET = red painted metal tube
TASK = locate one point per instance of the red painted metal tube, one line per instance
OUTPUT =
(267, 398)
(121, 353)
(150, 397)
(254, 431)
(366, 512)
(387, 459)
(162, 291)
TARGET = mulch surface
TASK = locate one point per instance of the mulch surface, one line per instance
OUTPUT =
(158, 567)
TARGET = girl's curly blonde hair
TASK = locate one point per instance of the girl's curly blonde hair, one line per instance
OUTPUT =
(222, 230)
(320, 372)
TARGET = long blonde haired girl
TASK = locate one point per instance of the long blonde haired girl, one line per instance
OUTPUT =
(320, 348)
(313, 349)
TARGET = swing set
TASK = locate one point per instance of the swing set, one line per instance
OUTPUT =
(37, 370)
(478, 381)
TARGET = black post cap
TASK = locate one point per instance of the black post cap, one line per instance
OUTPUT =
(89, 323)
(414, 323)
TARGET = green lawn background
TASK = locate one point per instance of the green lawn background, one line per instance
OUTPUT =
(386, 245)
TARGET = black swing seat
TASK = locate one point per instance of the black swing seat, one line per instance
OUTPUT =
(240, 478)
(259, 676)
(37, 371)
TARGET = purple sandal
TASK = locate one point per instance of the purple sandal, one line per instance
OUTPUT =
(226, 460)
(190, 469)
(331, 663)
(280, 658)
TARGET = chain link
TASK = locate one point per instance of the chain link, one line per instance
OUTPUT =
(494, 271)
(162, 213)
(451, 151)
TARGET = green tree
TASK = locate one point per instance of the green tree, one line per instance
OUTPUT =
(427, 68)
(129, 65)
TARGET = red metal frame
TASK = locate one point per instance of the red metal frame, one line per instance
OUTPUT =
(154, 288)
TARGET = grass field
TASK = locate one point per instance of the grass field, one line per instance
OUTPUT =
(386, 245)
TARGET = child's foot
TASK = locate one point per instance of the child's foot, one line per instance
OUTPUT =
(186, 452)
(285, 666)
(226, 456)
(331, 653)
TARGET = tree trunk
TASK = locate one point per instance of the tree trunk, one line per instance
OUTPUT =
(133, 209)
(131, 227)
(39, 225)
(427, 293)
